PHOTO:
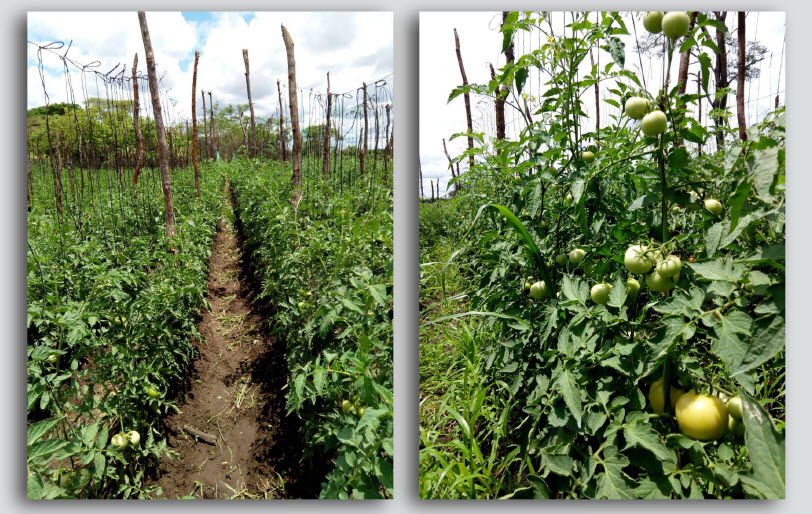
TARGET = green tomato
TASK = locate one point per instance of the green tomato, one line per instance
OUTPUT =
(653, 21)
(552, 171)
(527, 286)
(120, 441)
(702, 417)
(675, 209)
(539, 290)
(675, 24)
(568, 200)
(152, 393)
(576, 256)
(53, 358)
(657, 398)
(361, 412)
(632, 288)
(713, 206)
(669, 267)
(636, 260)
(600, 293)
(346, 406)
(589, 268)
(654, 123)
(734, 406)
(736, 426)
(587, 156)
(748, 287)
(659, 283)
(636, 107)
(134, 437)
(561, 259)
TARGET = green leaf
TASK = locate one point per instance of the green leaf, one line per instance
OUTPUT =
(567, 386)
(765, 447)
(767, 341)
(40, 428)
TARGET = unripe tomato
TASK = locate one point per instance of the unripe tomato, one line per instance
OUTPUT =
(701, 416)
(568, 199)
(669, 267)
(636, 107)
(53, 358)
(552, 171)
(561, 259)
(302, 306)
(361, 412)
(748, 287)
(134, 437)
(576, 256)
(589, 268)
(539, 290)
(120, 441)
(657, 399)
(587, 156)
(736, 426)
(675, 24)
(734, 407)
(545, 225)
(713, 206)
(636, 260)
(675, 209)
(632, 288)
(600, 293)
(659, 283)
(152, 393)
(653, 21)
(527, 286)
(346, 406)
(654, 123)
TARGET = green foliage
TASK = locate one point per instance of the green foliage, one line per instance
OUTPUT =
(113, 307)
(326, 270)
(563, 381)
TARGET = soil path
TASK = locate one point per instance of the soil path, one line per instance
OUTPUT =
(236, 397)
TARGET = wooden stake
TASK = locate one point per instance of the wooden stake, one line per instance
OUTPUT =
(169, 213)
(194, 125)
(250, 104)
(137, 124)
(363, 145)
(282, 148)
(296, 177)
(327, 135)
(467, 99)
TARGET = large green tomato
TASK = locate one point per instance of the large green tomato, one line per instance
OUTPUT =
(636, 107)
(713, 206)
(538, 290)
(657, 398)
(346, 406)
(669, 267)
(654, 123)
(659, 283)
(701, 416)
(636, 260)
(576, 256)
(675, 24)
(134, 437)
(561, 259)
(587, 156)
(734, 406)
(120, 440)
(632, 288)
(568, 199)
(653, 21)
(600, 293)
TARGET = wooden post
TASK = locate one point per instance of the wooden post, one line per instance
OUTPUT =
(740, 76)
(194, 125)
(206, 152)
(211, 128)
(58, 176)
(386, 147)
(186, 148)
(250, 104)
(296, 177)
(420, 175)
(282, 148)
(137, 124)
(597, 102)
(327, 135)
(169, 214)
(377, 130)
(362, 146)
(467, 99)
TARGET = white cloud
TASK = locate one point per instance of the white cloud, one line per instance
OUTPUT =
(354, 47)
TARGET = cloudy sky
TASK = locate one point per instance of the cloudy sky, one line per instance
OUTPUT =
(481, 43)
(353, 47)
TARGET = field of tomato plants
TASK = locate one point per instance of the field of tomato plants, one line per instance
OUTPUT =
(580, 270)
(325, 267)
(113, 307)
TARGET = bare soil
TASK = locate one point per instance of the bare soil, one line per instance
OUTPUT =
(236, 396)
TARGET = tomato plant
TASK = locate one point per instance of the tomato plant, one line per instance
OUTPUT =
(566, 398)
